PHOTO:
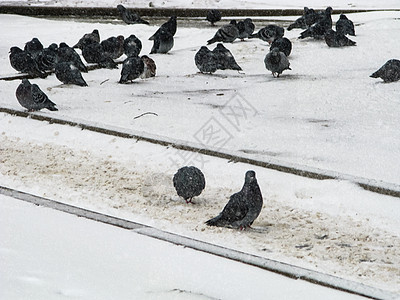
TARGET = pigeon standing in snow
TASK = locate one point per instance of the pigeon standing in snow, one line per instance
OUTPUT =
(243, 207)
(149, 67)
(47, 58)
(189, 182)
(169, 26)
(22, 61)
(32, 97)
(33, 47)
(276, 62)
(130, 17)
(68, 54)
(345, 26)
(319, 29)
(246, 28)
(284, 45)
(226, 34)
(132, 68)
(163, 41)
(335, 39)
(269, 33)
(132, 46)
(113, 46)
(88, 38)
(225, 59)
(68, 73)
(213, 16)
(94, 53)
(389, 72)
(206, 60)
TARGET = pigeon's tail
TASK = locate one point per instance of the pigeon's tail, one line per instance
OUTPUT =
(52, 106)
(253, 36)
(141, 21)
(213, 40)
(215, 221)
(375, 75)
(81, 82)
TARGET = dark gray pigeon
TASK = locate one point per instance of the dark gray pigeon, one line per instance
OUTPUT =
(132, 68)
(132, 46)
(246, 28)
(33, 47)
(130, 17)
(68, 73)
(225, 59)
(189, 182)
(162, 42)
(323, 24)
(23, 62)
(47, 58)
(335, 39)
(68, 54)
(243, 207)
(276, 62)
(206, 60)
(389, 72)
(88, 38)
(284, 45)
(113, 46)
(32, 97)
(345, 26)
(149, 67)
(213, 16)
(226, 34)
(269, 33)
(169, 26)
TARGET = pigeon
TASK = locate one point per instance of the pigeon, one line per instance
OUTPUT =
(32, 97)
(94, 53)
(389, 72)
(345, 26)
(243, 207)
(132, 68)
(149, 67)
(88, 38)
(318, 29)
(213, 16)
(276, 62)
(68, 54)
(226, 34)
(33, 47)
(335, 39)
(23, 62)
(68, 73)
(132, 46)
(163, 41)
(47, 58)
(169, 26)
(269, 33)
(130, 17)
(246, 28)
(284, 45)
(206, 60)
(308, 18)
(225, 59)
(113, 46)
(189, 182)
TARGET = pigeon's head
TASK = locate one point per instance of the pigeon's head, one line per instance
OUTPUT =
(220, 46)
(120, 38)
(95, 31)
(248, 20)
(250, 176)
(15, 49)
(121, 7)
(328, 10)
(342, 17)
(63, 45)
(25, 82)
(233, 22)
(275, 51)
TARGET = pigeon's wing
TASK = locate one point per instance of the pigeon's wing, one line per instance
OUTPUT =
(235, 210)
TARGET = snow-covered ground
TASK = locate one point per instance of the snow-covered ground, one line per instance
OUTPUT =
(325, 113)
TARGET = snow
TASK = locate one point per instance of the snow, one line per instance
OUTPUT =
(325, 113)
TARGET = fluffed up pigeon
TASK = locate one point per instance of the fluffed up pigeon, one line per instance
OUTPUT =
(269, 33)
(149, 67)
(206, 60)
(243, 207)
(68, 73)
(345, 26)
(94, 53)
(32, 97)
(323, 24)
(213, 16)
(169, 26)
(68, 54)
(335, 39)
(132, 46)
(189, 182)
(163, 41)
(88, 38)
(276, 62)
(226, 34)
(23, 62)
(389, 72)
(130, 17)
(113, 46)
(33, 47)
(225, 59)
(132, 68)
(47, 58)
(246, 28)
(284, 45)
